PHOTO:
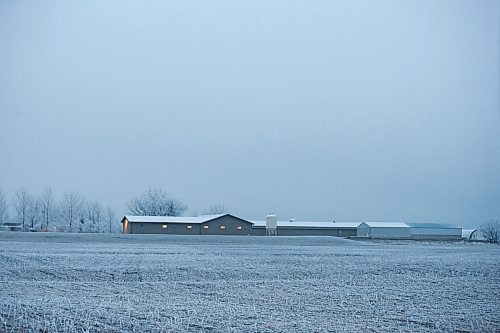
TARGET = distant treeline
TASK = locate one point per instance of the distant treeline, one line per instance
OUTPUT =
(74, 213)
(71, 213)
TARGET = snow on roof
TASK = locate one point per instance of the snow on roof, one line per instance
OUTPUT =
(386, 224)
(433, 225)
(305, 224)
(172, 219)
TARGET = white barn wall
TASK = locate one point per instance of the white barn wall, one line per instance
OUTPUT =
(363, 230)
(441, 231)
(384, 230)
(431, 233)
(388, 232)
(398, 230)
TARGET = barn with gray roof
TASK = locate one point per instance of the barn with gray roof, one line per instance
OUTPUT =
(223, 224)
(304, 228)
(227, 224)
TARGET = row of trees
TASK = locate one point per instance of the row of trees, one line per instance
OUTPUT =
(72, 213)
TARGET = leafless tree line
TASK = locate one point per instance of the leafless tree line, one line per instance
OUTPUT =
(72, 213)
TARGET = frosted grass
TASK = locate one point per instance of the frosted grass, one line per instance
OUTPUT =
(99, 283)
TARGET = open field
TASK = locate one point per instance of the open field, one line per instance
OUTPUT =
(140, 283)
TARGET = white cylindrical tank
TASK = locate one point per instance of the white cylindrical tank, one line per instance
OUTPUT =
(271, 221)
(271, 224)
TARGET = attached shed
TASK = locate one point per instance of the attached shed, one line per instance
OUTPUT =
(435, 231)
(384, 230)
(302, 228)
(223, 224)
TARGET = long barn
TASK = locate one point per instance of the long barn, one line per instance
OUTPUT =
(227, 224)
(415, 231)
(223, 224)
(305, 228)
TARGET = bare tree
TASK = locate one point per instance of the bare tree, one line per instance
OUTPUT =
(491, 231)
(21, 206)
(110, 217)
(4, 209)
(70, 208)
(34, 211)
(155, 202)
(215, 209)
(93, 218)
(47, 201)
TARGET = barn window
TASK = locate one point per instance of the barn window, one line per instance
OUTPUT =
(205, 226)
(164, 226)
(239, 227)
(189, 226)
(223, 227)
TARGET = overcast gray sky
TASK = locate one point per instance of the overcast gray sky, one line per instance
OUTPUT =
(318, 110)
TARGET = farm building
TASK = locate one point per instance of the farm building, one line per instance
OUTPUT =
(384, 230)
(223, 224)
(227, 224)
(435, 231)
(417, 231)
(301, 228)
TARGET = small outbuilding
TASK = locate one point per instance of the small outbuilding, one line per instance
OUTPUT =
(222, 224)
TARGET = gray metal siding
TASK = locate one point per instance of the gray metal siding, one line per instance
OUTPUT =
(363, 231)
(439, 233)
(390, 232)
(316, 232)
(214, 227)
(258, 231)
(231, 225)
(435, 237)
(298, 231)
(156, 228)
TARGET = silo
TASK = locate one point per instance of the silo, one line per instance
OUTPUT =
(271, 225)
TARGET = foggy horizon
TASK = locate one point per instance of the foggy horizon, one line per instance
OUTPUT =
(345, 111)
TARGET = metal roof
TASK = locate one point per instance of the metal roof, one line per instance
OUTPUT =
(306, 224)
(172, 219)
(386, 224)
(433, 225)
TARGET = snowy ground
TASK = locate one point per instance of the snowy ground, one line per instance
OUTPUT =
(138, 283)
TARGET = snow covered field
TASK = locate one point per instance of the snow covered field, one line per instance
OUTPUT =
(140, 283)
